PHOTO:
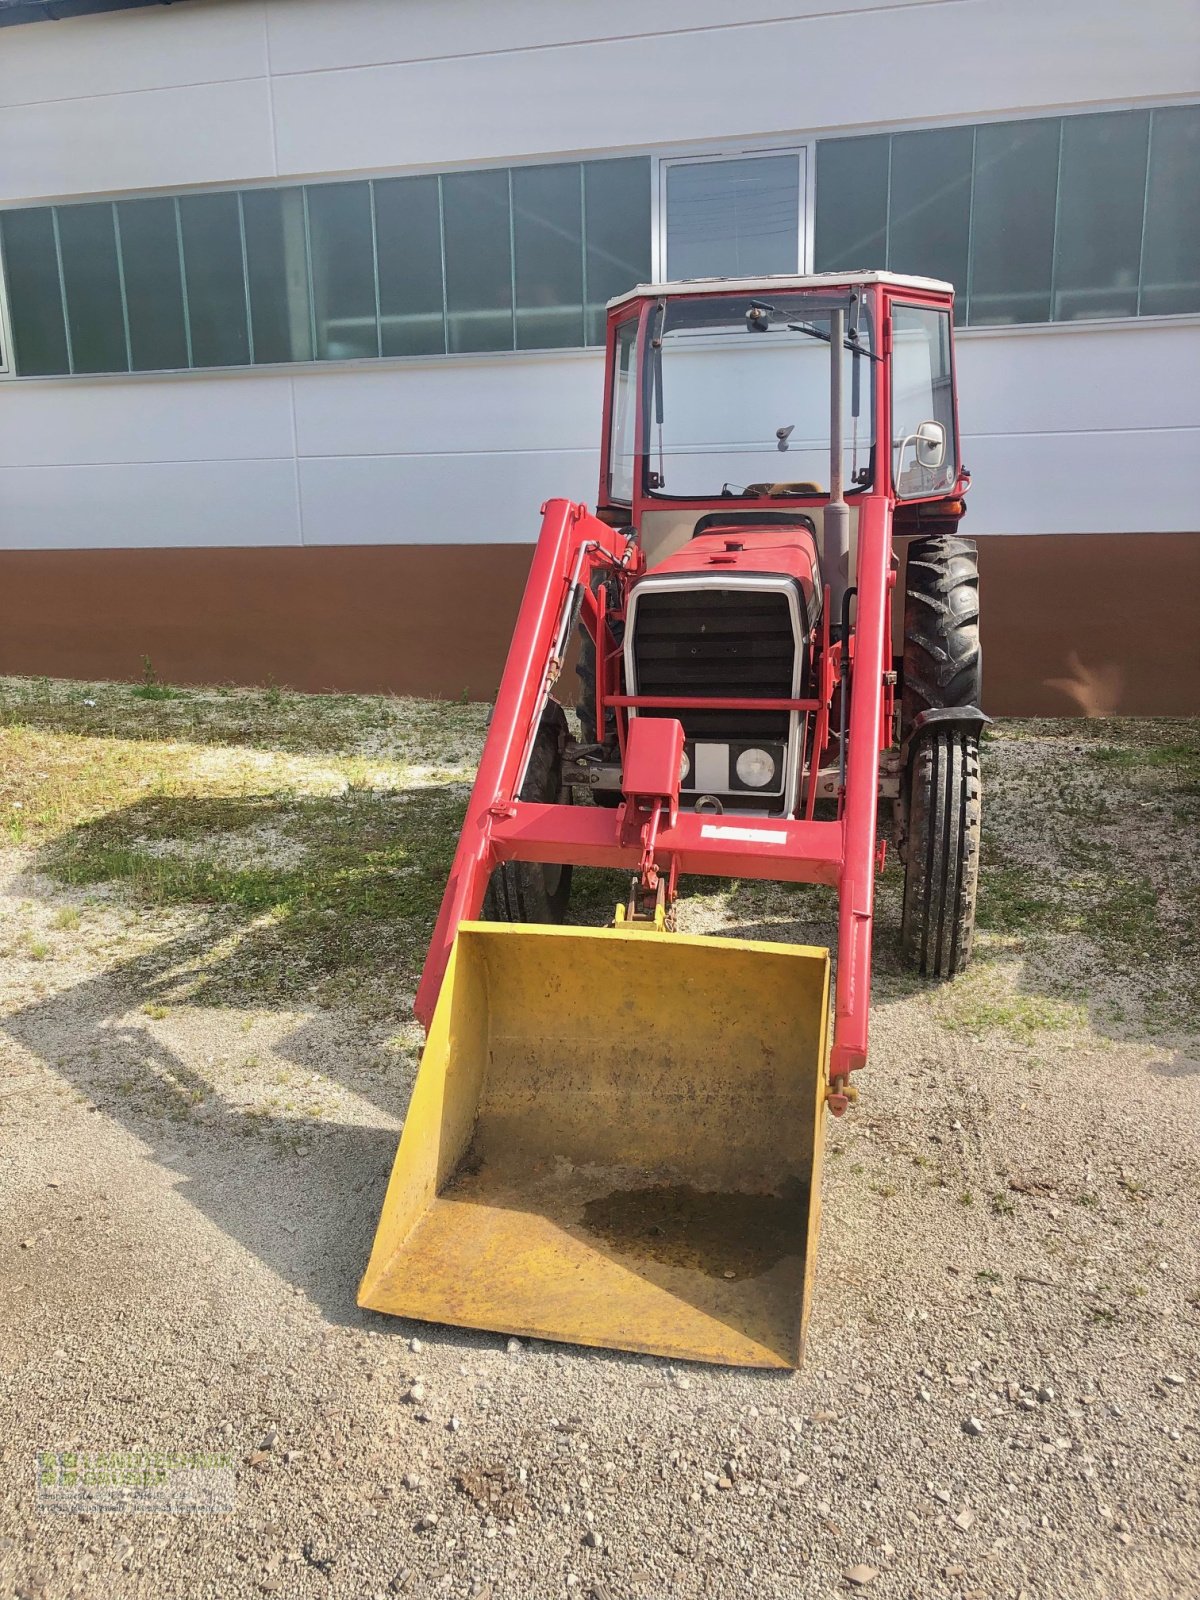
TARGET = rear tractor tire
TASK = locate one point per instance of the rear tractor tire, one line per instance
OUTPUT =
(940, 823)
(527, 891)
(939, 812)
(942, 658)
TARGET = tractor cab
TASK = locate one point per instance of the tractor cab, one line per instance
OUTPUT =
(724, 404)
(741, 435)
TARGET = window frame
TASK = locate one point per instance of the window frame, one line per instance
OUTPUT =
(803, 149)
(7, 369)
(903, 300)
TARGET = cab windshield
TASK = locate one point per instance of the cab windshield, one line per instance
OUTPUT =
(738, 399)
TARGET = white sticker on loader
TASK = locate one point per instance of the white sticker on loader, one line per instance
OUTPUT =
(716, 830)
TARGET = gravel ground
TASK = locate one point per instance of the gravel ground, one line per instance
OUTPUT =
(999, 1397)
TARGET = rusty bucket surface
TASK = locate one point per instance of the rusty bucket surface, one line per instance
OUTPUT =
(614, 1139)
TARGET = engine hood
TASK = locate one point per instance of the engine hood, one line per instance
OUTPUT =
(747, 551)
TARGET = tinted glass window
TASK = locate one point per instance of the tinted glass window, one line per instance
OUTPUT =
(216, 287)
(622, 450)
(1055, 218)
(478, 260)
(153, 284)
(92, 280)
(409, 241)
(343, 270)
(331, 270)
(277, 273)
(852, 204)
(1016, 180)
(617, 205)
(734, 219)
(34, 295)
(1171, 254)
(929, 216)
(922, 394)
(1102, 186)
(548, 236)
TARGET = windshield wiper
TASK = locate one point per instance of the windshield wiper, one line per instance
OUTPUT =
(849, 343)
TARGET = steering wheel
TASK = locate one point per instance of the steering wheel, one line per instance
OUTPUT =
(759, 491)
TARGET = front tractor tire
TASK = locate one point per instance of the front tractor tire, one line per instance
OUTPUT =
(940, 818)
(527, 891)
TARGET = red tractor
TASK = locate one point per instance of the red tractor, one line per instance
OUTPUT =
(615, 1133)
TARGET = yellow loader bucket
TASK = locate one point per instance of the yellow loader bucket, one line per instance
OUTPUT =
(614, 1139)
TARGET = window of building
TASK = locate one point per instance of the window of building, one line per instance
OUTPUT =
(734, 217)
(1054, 219)
(496, 259)
(1046, 219)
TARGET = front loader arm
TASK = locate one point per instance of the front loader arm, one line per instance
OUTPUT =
(572, 542)
(866, 737)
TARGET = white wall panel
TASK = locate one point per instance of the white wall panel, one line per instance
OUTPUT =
(160, 138)
(495, 404)
(1111, 482)
(315, 36)
(757, 78)
(1125, 376)
(457, 499)
(194, 418)
(126, 51)
(144, 506)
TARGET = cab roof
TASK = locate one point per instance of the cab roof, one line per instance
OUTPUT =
(815, 280)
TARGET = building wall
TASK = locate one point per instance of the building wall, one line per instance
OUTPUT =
(1073, 430)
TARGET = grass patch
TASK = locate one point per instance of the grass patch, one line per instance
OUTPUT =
(351, 913)
(272, 718)
(1177, 759)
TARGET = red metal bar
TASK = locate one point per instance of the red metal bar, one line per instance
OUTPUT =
(695, 702)
(857, 886)
(821, 727)
(725, 846)
(565, 527)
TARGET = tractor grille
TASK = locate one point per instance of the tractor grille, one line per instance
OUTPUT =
(727, 642)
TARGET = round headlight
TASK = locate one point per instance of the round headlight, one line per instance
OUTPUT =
(685, 766)
(755, 768)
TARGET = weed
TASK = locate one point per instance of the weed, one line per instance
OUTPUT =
(1001, 1205)
(66, 917)
(1087, 1199)
(37, 949)
(989, 1275)
(152, 687)
(1133, 1188)
(966, 1198)
(155, 1011)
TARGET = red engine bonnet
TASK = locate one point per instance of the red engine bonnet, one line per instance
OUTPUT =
(748, 549)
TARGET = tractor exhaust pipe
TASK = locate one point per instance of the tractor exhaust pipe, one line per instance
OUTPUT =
(835, 550)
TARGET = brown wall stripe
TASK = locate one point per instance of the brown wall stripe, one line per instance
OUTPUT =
(1074, 624)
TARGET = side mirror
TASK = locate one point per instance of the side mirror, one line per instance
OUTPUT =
(930, 444)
